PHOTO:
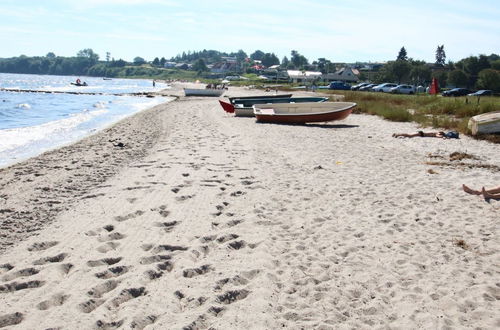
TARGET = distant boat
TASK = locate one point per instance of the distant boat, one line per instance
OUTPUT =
(203, 92)
(300, 113)
(486, 123)
(244, 108)
(107, 78)
(79, 84)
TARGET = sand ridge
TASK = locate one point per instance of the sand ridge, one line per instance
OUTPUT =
(224, 223)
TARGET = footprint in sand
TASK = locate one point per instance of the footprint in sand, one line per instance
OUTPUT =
(109, 246)
(42, 246)
(167, 226)
(90, 305)
(16, 286)
(54, 301)
(232, 296)
(57, 258)
(142, 322)
(192, 272)
(126, 295)
(112, 272)
(99, 290)
(102, 325)
(20, 273)
(111, 237)
(103, 262)
(11, 319)
(129, 216)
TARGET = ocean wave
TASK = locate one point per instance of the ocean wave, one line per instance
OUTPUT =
(23, 106)
(55, 130)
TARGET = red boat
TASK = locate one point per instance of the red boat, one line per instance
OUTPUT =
(228, 107)
(300, 113)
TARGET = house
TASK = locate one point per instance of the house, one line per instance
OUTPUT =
(303, 76)
(344, 74)
(226, 64)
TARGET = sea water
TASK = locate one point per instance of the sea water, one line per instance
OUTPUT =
(31, 123)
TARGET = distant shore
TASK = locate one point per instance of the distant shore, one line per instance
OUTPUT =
(185, 216)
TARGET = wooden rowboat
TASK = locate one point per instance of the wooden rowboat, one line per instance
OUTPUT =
(300, 113)
(486, 123)
(203, 92)
(244, 108)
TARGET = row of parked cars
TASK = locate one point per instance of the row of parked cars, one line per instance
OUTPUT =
(404, 89)
(386, 88)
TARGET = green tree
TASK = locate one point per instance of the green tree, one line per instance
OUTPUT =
(163, 61)
(420, 74)
(285, 62)
(401, 70)
(50, 55)
(495, 65)
(489, 79)
(199, 66)
(298, 61)
(88, 53)
(440, 56)
(156, 61)
(139, 60)
(270, 59)
(402, 56)
(257, 55)
(458, 78)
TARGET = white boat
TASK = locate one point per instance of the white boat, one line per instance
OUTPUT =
(486, 123)
(203, 92)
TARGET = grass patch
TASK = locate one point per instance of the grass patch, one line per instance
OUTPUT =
(451, 113)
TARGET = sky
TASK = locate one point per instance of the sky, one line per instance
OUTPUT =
(338, 30)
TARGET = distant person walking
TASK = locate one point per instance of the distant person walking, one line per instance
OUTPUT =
(154, 83)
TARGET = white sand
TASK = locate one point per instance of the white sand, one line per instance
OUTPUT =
(204, 220)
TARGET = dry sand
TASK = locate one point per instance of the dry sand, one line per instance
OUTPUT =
(203, 220)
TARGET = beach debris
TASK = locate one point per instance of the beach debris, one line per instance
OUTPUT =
(319, 167)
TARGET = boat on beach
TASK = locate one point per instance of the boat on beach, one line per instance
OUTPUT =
(203, 92)
(244, 107)
(301, 113)
(274, 96)
(486, 123)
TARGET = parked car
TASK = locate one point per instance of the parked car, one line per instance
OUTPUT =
(385, 87)
(482, 92)
(358, 86)
(403, 89)
(456, 92)
(367, 88)
(340, 85)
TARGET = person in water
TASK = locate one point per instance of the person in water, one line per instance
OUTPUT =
(443, 135)
(493, 193)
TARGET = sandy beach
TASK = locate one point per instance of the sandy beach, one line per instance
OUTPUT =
(185, 217)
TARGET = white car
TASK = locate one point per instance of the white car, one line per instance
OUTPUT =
(403, 89)
(385, 87)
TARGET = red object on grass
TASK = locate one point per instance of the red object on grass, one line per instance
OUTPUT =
(434, 87)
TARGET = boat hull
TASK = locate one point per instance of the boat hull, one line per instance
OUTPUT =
(301, 113)
(203, 92)
(486, 123)
(274, 96)
(227, 107)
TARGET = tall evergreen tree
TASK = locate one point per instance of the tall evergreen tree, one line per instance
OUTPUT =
(440, 56)
(402, 56)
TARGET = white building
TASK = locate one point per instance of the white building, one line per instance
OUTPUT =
(344, 74)
(303, 76)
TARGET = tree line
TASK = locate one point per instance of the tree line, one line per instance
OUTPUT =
(472, 72)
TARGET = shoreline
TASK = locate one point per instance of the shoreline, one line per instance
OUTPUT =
(206, 220)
